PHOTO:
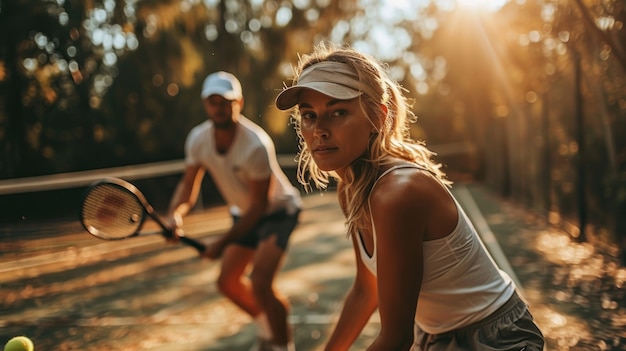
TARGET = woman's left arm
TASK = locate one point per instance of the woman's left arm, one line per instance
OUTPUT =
(400, 217)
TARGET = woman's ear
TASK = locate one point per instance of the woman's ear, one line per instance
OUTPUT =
(381, 121)
(384, 108)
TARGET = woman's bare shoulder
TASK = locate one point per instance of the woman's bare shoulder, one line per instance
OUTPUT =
(414, 198)
(407, 184)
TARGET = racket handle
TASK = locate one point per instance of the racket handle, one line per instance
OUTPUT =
(193, 243)
(169, 232)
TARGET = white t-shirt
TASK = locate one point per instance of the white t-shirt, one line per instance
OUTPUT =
(461, 283)
(251, 156)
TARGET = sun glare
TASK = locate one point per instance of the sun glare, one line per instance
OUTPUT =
(481, 5)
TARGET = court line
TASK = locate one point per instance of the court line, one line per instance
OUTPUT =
(484, 231)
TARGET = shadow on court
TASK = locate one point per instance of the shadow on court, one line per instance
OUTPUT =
(67, 290)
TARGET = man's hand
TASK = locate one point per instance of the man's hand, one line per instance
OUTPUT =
(175, 222)
(214, 249)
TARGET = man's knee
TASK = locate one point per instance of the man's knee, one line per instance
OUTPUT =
(227, 284)
(261, 284)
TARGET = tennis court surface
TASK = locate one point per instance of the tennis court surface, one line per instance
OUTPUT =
(67, 290)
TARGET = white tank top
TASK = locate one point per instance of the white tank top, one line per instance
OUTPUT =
(461, 284)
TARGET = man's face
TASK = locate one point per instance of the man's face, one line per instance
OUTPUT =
(223, 112)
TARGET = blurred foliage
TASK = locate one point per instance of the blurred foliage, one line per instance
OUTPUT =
(537, 87)
(92, 84)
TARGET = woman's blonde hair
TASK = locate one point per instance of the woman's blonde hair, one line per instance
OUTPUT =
(392, 141)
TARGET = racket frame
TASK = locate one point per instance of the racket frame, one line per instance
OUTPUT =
(147, 209)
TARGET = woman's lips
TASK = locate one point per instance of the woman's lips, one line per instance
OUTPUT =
(324, 149)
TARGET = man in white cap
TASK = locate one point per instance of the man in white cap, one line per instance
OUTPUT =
(241, 159)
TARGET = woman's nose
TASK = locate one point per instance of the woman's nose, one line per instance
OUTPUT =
(320, 130)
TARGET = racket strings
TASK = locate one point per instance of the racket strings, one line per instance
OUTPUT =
(111, 212)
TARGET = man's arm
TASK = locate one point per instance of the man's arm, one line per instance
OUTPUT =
(185, 195)
(258, 193)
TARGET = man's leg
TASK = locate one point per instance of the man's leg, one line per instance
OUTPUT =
(266, 263)
(233, 283)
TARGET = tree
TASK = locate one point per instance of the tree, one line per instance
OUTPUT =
(101, 83)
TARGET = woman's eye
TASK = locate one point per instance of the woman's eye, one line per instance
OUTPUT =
(339, 113)
(308, 115)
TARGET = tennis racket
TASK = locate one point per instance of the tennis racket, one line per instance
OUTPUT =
(114, 209)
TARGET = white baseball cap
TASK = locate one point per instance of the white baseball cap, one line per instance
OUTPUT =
(223, 84)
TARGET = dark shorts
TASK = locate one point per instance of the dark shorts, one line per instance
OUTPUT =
(280, 223)
(510, 328)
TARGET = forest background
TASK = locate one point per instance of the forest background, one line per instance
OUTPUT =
(530, 93)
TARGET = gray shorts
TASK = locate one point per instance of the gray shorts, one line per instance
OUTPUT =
(510, 328)
(280, 223)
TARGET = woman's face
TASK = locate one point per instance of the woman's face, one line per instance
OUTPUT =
(336, 132)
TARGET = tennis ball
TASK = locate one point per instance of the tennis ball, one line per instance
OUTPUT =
(19, 343)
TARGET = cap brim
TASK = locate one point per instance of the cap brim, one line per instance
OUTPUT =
(290, 97)
(226, 94)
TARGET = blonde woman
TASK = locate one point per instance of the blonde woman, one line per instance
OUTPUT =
(419, 259)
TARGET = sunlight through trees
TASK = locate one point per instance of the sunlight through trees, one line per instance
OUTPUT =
(536, 89)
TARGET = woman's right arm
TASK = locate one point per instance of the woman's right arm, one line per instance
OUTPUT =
(359, 304)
